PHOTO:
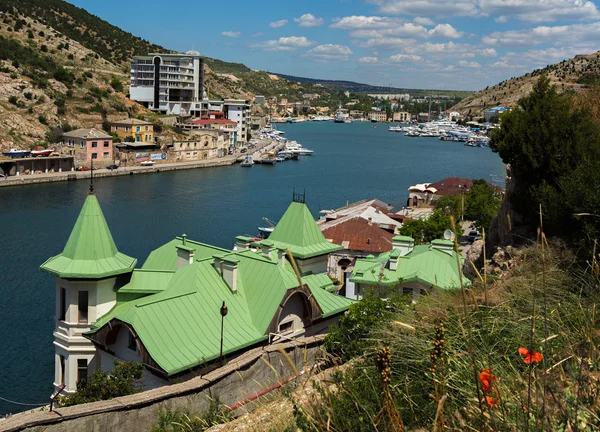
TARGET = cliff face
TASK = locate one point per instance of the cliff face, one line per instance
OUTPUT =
(569, 75)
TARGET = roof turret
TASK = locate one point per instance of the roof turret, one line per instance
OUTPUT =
(90, 252)
(298, 231)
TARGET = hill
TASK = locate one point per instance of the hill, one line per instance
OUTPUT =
(355, 87)
(575, 74)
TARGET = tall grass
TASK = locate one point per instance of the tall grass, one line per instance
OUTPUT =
(560, 392)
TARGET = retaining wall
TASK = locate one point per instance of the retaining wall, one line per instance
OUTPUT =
(248, 374)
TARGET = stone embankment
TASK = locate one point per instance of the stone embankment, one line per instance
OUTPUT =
(20, 180)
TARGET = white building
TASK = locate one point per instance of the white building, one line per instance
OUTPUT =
(168, 83)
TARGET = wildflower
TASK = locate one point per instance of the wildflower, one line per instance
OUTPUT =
(487, 379)
(491, 401)
(530, 357)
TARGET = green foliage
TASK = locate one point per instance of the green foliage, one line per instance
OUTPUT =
(121, 381)
(13, 100)
(106, 125)
(65, 76)
(116, 84)
(550, 143)
(349, 338)
(129, 138)
(424, 231)
(177, 421)
(450, 205)
(482, 203)
(42, 119)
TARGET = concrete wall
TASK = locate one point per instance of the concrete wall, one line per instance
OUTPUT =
(248, 374)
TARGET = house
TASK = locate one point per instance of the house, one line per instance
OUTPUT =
(135, 130)
(403, 117)
(408, 269)
(423, 117)
(90, 144)
(428, 193)
(201, 145)
(167, 314)
(378, 116)
(494, 113)
(222, 124)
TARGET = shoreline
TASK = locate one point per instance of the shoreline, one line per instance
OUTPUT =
(229, 160)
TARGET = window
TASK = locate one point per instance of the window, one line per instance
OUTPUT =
(82, 369)
(126, 128)
(82, 144)
(105, 143)
(61, 379)
(407, 291)
(286, 327)
(83, 306)
(94, 144)
(63, 304)
(105, 155)
(138, 138)
(94, 155)
(131, 342)
(147, 128)
(138, 129)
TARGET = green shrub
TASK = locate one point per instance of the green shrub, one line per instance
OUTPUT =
(121, 381)
(177, 421)
(13, 100)
(42, 119)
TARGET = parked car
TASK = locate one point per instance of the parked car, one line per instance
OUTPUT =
(243, 150)
(473, 235)
(112, 167)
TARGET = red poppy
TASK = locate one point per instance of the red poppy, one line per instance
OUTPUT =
(487, 379)
(530, 357)
(491, 401)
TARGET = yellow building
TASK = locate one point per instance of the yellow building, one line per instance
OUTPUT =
(139, 130)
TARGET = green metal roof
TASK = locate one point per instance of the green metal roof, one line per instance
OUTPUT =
(165, 257)
(90, 252)
(424, 264)
(179, 325)
(298, 231)
(403, 238)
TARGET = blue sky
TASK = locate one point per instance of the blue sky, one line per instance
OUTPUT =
(441, 44)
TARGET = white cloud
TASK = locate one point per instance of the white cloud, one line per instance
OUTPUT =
(424, 21)
(259, 34)
(277, 24)
(445, 31)
(291, 43)
(405, 58)
(501, 19)
(231, 34)
(309, 20)
(574, 35)
(330, 52)
(365, 22)
(467, 64)
(368, 60)
(487, 52)
(523, 10)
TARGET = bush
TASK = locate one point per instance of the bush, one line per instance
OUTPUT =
(121, 381)
(116, 84)
(424, 231)
(13, 100)
(44, 48)
(171, 421)
(65, 76)
(42, 119)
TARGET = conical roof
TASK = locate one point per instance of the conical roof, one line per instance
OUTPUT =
(298, 231)
(90, 252)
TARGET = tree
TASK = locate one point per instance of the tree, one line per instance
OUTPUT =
(424, 231)
(116, 84)
(482, 203)
(545, 143)
(450, 205)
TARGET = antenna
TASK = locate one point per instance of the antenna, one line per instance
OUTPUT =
(449, 235)
(92, 178)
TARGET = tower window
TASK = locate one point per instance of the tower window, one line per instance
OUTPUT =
(61, 380)
(83, 306)
(62, 305)
(82, 369)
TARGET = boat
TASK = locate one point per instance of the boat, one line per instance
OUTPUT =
(147, 163)
(248, 162)
(340, 115)
(265, 232)
(14, 153)
(269, 159)
(43, 152)
(348, 121)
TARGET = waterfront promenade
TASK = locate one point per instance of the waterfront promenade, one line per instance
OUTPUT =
(262, 146)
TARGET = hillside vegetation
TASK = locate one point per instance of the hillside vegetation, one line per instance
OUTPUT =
(576, 74)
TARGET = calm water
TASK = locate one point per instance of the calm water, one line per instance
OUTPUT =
(351, 162)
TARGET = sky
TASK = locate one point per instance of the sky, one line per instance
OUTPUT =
(432, 44)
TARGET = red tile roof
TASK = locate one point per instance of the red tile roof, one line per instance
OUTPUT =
(357, 234)
(452, 186)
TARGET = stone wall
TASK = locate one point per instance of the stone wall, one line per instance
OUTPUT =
(241, 378)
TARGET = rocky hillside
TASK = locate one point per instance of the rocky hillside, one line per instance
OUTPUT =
(569, 75)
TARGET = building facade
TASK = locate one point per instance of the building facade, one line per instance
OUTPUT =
(403, 117)
(90, 144)
(201, 145)
(134, 129)
(378, 116)
(168, 83)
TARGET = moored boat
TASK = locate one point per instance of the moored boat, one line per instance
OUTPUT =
(147, 163)
(248, 162)
(36, 153)
(14, 153)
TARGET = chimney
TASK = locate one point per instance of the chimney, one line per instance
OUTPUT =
(403, 244)
(393, 263)
(267, 248)
(281, 253)
(242, 243)
(227, 266)
(185, 254)
(445, 246)
(370, 221)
